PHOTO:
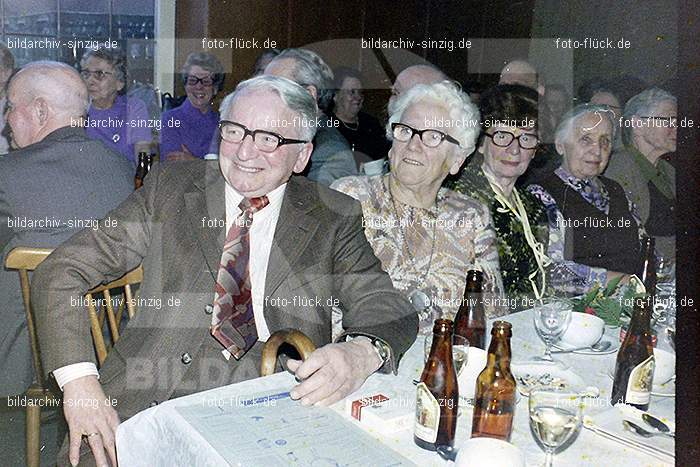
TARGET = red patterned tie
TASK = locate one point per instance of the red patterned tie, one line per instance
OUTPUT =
(233, 322)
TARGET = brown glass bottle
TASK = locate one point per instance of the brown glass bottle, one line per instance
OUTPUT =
(495, 388)
(634, 368)
(649, 270)
(437, 397)
(144, 165)
(470, 321)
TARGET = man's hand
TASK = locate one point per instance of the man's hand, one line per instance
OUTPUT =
(334, 371)
(183, 155)
(87, 413)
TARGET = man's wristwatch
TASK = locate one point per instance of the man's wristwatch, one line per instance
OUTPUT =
(380, 347)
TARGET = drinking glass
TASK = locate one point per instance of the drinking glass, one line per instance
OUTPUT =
(555, 417)
(552, 317)
(460, 351)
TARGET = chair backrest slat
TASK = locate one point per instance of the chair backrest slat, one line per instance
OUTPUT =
(25, 259)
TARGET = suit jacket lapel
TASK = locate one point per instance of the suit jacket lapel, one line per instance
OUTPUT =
(206, 199)
(292, 234)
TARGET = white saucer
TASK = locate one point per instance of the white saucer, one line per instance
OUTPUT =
(541, 373)
(614, 346)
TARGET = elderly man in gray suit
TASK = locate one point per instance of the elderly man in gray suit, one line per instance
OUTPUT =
(57, 183)
(232, 251)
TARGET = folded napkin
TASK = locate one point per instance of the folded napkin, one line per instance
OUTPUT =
(609, 425)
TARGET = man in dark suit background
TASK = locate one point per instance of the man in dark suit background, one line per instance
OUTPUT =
(307, 254)
(57, 183)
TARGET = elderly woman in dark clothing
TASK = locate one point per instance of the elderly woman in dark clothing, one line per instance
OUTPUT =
(642, 168)
(508, 144)
(364, 133)
(598, 231)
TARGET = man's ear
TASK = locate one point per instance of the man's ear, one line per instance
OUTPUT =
(303, 158)
(120, 85)
(41, 110)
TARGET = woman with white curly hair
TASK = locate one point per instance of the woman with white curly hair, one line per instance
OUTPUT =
(427, 236)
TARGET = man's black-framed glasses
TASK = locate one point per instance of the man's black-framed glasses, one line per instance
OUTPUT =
(192, 80)
(503, 139)
(429, 137)
(265, 141)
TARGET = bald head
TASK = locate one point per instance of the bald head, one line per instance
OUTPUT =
(59, 84)
(520, 72)
(45, 96)
(411, 76)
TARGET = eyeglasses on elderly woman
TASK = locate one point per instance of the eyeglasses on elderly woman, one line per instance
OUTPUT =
(98, 74)
(265, 141)
(192, 80)
(429, 137)
(503, 139)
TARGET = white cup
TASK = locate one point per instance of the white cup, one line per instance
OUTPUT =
(466, 382)
(477, 452)
(665, 366)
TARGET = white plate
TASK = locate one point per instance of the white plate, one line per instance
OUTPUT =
(542, 373)
(668, 389)
(614, 347)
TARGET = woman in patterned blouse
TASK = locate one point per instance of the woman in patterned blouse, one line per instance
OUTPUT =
(508, 144)
(427, 236)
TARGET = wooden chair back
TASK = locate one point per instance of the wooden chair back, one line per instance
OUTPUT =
(25, 259)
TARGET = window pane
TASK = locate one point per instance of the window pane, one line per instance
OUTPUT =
(85, 19)
(30, 48)
(30, 17)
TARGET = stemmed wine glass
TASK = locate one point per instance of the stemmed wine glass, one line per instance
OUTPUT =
(460, 351)
(552, 317)
(555, 416)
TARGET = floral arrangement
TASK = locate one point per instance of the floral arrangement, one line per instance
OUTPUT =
(613, 304)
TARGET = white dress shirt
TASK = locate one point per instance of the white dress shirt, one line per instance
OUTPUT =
(262, 232)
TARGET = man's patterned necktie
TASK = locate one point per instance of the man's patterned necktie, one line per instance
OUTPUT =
(233, 322)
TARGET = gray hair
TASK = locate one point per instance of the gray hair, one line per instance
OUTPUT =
(643, 104)
(209, 63)
(565, 127)
(310, 69)
(115, 57)
(463, 114)
(58, 83)
(295, 97)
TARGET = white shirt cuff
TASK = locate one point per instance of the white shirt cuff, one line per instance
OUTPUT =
(68, 373)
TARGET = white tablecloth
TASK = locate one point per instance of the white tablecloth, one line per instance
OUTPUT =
(160, 436)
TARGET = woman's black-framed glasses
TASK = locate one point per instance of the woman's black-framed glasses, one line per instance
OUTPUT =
(265, 141)
(504, 138)
(429, 137)
(192, 80)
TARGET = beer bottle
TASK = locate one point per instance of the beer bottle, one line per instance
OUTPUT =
(144, 165)
(495, 388)
(649, 271)
(437, 397)
(634, 368)
(470, 321)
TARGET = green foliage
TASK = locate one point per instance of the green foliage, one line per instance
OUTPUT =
(613, 304)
